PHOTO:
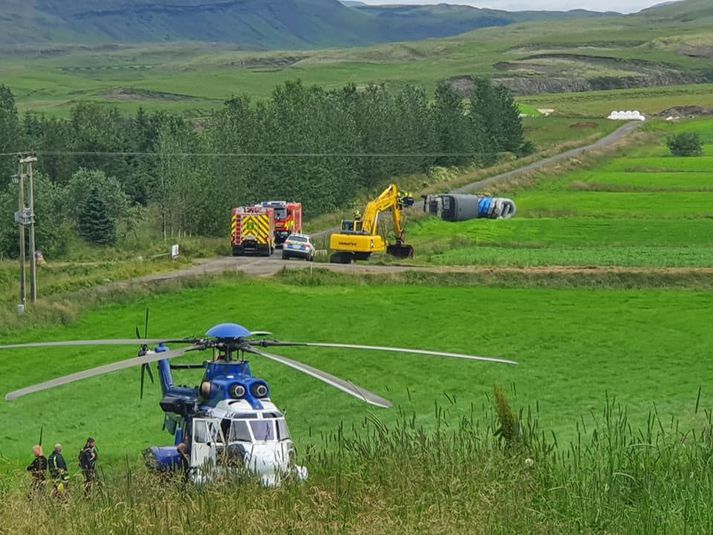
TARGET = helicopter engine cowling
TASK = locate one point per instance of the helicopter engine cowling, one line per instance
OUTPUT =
(232, 381)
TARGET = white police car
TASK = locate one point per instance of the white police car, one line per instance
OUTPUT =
(298, 246)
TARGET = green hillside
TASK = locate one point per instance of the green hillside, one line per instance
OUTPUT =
(687, 10)
(250, 23)
(411, 22)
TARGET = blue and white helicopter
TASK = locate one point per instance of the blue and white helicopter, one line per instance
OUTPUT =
(228, 421)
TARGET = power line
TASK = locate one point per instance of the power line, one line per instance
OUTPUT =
(257, 154)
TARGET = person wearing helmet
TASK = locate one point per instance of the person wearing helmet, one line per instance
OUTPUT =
(88, 463)
(38, 469)
(58, 471)
(184, 461)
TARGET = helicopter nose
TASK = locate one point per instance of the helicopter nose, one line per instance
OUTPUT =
(266, 459)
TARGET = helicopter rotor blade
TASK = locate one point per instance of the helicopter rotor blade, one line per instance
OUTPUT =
(107, 342)
(268, 343)
(101, 370)
(145, 368)
(335, 382)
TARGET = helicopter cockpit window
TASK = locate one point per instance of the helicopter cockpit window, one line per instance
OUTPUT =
(243, 415)
(282, 432)
(207, 432)
(239, 432)
(201, 434)
(263, 430)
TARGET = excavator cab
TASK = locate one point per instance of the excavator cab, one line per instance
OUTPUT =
(350, 226)
(355, 225)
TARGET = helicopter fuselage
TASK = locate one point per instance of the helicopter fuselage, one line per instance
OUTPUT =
(228, 423)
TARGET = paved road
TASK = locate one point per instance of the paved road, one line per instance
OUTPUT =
(261, 266)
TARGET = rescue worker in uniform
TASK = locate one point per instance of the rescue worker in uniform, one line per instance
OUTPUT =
(38, 469)
(88, 463)
(357, 220)
(58, 471)
(184, 461)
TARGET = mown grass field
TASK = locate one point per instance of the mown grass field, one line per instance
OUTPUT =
(641, 207)
(648, 348)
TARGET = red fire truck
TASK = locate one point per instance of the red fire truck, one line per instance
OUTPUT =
(288, 219)
(252, 230)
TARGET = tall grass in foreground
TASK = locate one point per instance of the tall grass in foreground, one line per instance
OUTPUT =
(462, 477)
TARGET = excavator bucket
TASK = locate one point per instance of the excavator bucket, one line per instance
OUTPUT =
(400, 250)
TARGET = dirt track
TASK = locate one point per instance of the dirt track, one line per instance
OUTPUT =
(265, 267)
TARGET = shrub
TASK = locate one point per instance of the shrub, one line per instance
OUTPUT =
(685, 144)
(509, 431)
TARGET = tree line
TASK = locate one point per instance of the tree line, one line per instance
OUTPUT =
(309, 144)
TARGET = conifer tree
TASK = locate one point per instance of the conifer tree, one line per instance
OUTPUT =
(451, 126)
(94, 222)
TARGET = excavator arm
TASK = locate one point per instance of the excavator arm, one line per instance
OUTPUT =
(388, 200)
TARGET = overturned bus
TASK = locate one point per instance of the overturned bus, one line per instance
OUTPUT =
(460, 207)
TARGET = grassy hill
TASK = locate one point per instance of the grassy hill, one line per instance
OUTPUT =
(411, 22)
(684, 11)
(249, 23)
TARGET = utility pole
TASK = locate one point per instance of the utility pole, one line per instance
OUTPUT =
(25, 217)
(19, 218)
(29, 160)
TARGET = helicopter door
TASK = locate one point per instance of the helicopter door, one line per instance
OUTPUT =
(208, 444)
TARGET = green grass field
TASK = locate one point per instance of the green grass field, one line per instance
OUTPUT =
(647, 348)
(641, 207)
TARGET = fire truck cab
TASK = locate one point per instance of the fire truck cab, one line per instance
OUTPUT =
(288, 219)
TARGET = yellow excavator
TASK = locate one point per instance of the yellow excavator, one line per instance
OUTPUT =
(360, 238)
